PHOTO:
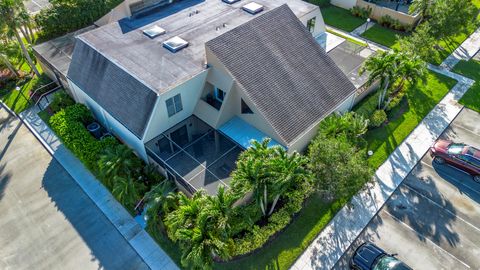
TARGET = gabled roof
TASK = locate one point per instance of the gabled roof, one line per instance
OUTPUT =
(283, 71)
(124, 97)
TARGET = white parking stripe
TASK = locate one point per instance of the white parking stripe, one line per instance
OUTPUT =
(453, 178)
(430, 241)
(444, 209)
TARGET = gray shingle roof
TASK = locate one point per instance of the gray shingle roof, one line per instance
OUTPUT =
(121, 95)
(283, 70)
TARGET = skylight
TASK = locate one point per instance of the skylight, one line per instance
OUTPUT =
(230, 1)
(154, 31)
(253, 8)
(175, 44)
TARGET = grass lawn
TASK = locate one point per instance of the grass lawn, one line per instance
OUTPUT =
(384, 36)
(419, 101)
(341, 18)
(470, 69)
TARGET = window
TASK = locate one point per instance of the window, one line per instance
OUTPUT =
(311, 25)
(455, 148)
(245, 108)
(219, 94)
(174, 105)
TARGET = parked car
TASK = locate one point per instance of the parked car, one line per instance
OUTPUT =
(370, 257)
(459, 155)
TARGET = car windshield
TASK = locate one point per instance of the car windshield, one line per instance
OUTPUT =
(455, 148)
(390, 263)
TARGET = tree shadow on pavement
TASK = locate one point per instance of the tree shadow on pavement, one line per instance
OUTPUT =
(108, 248)
(432, 220)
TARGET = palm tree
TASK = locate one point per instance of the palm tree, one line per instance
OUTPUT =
(4, 60)
(154, 200)
(383, 68)
(351, 124)
(125, 191)
(118, 161)
(220, 208)
(202, 243)
(287, 170)
(11, 12)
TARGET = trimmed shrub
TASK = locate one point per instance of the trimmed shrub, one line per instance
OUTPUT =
(60, 100)
(69, 125)
(389, 22)
(378, 118)
(361, 11)
(257, 236)
(368, 105)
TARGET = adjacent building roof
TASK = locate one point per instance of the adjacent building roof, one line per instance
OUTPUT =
(283, 71)
(124, 97)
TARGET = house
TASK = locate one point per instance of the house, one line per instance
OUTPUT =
(190, 85)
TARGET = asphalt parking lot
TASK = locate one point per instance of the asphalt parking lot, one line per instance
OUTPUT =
(432, 221)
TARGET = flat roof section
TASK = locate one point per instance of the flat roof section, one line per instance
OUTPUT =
(196, 21)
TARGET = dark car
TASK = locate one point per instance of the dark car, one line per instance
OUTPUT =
(459, 155)
(370, 257)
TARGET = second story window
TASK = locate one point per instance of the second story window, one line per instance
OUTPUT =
(311, 25)
(245, 109)
(174, 105)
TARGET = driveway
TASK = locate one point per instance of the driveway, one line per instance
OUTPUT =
(34, 6)
(47, 221)
(432, 221)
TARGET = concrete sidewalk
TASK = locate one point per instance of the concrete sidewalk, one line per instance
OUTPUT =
(343, 229)
(140, 240)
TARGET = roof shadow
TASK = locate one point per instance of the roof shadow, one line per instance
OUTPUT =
(153, 14)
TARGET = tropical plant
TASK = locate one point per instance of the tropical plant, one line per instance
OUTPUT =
(13, 14)
(382, 67)
(154, 201)
(339, 169)
(378, 118)
(221, 209)
(268, 172)
(125, 191)
(350, 124)
(388, 67)
(118, 160)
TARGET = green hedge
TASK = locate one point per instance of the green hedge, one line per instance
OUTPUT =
(69, 125)
(368, 105)
(320, 3)
(257, 236)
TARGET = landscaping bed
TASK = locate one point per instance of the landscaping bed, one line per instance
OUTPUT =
(470, 69)
(419, 100)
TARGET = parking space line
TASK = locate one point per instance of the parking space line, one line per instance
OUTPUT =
(464, 128)
(453, 178)
(413, 230)
(439, 206)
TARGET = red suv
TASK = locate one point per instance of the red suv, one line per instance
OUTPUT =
(462, 156)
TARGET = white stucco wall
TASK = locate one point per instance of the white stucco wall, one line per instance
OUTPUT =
(109, 122)
(319, 23)
(189, 91)
(301, 143)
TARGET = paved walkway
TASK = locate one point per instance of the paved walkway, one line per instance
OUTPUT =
(140, 240)
(466, 51)
(362, 28)
(346, 226)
